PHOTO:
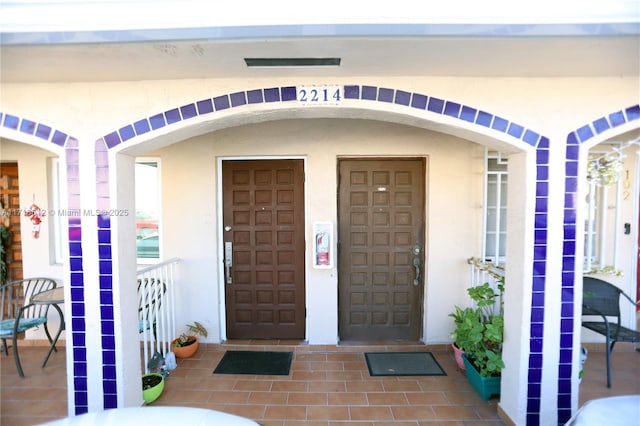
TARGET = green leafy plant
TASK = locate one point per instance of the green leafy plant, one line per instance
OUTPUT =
(186, 339)
(479, 330)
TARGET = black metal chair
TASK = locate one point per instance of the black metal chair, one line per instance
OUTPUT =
(602, 299)
(18, 314)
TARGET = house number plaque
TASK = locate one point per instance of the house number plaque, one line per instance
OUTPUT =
(319, 95)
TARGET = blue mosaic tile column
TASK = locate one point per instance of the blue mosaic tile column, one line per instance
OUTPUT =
(569, 255)
(107, 318)
(78, 324)
(536, 328)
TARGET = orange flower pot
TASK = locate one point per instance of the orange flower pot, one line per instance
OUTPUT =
(185, 351)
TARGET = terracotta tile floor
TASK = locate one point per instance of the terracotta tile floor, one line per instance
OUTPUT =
(327, 385)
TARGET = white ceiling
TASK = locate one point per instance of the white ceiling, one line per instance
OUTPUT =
(361, 56)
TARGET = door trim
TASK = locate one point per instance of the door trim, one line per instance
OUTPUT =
(222, 304)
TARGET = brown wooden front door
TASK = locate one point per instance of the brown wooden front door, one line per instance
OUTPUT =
(264, 223)
(10, 213)
(381, 256)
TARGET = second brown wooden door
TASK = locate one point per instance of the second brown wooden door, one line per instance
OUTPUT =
(381, 257)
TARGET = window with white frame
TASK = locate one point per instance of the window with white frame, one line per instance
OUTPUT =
(147, 199)
(602, 208)
(495, 217)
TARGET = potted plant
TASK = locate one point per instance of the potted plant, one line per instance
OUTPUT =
(153, 382)
(465, 320)
(479, 333)
(185, 345)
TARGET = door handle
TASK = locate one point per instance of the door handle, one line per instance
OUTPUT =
(228, 261)
(416, 264)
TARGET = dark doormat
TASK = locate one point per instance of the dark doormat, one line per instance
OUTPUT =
(255, 362)
(403, 364)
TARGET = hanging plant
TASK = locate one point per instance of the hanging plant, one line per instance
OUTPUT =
(4, 240)
(604, 171)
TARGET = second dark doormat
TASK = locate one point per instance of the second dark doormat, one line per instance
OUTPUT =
(255, 362)
(403, 364)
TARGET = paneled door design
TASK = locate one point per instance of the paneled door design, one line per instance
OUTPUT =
(263, 217)
(381, 255)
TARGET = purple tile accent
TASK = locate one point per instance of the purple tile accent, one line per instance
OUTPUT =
(78, 324)
(106, 311)
(238, 99)
(542, 156)
(72, 156)
(537, 314)
(419, 101)
(157, 121)
(566, 326)
(535, 345)
(539, 254)
(205, 106)
(106, 282)
(633, 113)
(80, 397)
(537, 299)
(542, 173)
(436, 105)
(77, 294)
(81, 409)
(75, 249)
(78, 339)
(539, 270)
(109, 372)
(105, 267)
(108, 342)
(108, 327)
(402, 98)
(104, 251)
(569, 246)
(540, 221)
(11, 122)
(573, 152)
(537, 330)
(543, 143)
(43, 132)
(104, 236)
(77, 309)
(535, 375)
(601, 125)
(142, 127)
(538, 284)
(535, 405)
(75, 263)
(566, 340)
(616, 119)
(452, 109)
(369, 93)
(352, 92)
(112, 139)
(385, 95)
(60, 138)
(585, 133)
(173, 116)
(542, 189)
(484, 119)
(80, 353)
(109, 386)
(76, 280)
(499, 124)
(110, 401)
(255, 96)
(221, 102)
(106, 298)
(104, 221)
(289, 93)
(515, 130)
(188, 111)
(126, 133)
(271, 95)
(468, 114)
(531, 137)
(535, 361)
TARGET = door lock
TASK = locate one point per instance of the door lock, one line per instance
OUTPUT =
(228, 261)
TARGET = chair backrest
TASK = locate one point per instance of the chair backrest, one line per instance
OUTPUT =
(150, 297)
(17, 294)
(600, 297)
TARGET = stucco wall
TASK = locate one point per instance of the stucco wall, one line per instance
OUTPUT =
(191, 218)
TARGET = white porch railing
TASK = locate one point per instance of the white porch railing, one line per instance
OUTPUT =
(487, 272)
(156, 308)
